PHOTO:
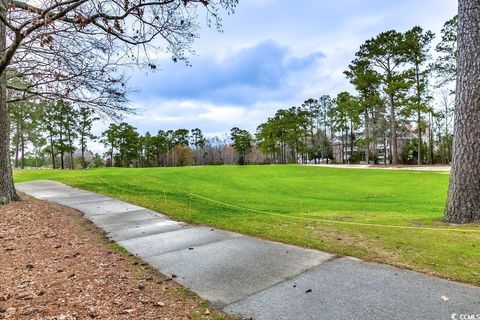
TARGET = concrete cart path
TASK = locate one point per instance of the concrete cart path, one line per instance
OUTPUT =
(263, 279)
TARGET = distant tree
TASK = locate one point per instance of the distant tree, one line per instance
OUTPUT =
(185, 155)
(198, 141)
(417, 42)
(267, 141)
(367, 82)
(313, 113)
(324, 144)
(171, 143)
(463, 202)
(147, 150)
(325, 102)
(25, 117)
(242, 143)
(86, 118)
(128, 145)
(445, 65)
(387, 54)
(345, 115)
(110, 139)
(59, 121)
(445, 114)
(160, 144)
(181, 137)
(49, 125)
(38, 142)
(68, 123)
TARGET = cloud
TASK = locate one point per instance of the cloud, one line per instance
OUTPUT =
(273, 54)
(258, 72)
(210, 117)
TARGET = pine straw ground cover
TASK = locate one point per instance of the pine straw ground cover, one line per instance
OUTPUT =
(55, 264)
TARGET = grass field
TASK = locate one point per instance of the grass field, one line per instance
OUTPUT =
(386, 216)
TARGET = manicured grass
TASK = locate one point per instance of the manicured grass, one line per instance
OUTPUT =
(293, 204)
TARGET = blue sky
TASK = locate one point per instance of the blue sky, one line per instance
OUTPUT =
(272, 54)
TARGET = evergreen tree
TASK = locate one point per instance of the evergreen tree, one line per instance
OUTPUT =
(242, 143)
(86, 118)
(111, 141)
(445, 65)
(387, 55)
(417, 43)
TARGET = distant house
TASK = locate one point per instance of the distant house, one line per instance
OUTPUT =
(380, 149)
(338, 150)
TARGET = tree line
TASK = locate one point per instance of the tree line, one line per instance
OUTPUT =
(394, 77)
(56, 129)
(126, 147)
(391, 113)
(56, 135)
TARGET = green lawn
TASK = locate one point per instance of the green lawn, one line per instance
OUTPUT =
(294, 204)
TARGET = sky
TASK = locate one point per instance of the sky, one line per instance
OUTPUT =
(271, 54)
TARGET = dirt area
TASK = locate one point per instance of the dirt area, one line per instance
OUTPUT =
(55, 264)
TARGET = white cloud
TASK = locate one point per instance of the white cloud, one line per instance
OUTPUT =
(202, 96)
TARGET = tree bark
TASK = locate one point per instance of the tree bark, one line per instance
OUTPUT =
(7, 188)
(463, 202)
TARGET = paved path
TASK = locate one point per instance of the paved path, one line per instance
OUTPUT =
(263, 279)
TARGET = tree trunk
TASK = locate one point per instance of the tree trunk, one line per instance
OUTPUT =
(430, 139)
(419, 116)
(84, 163)
(367, 139)
(7, 189)
(62, 164)
(463, 202)
(71, 161)
(22, 140)
(419, 148)
(62, 152)
(52, 152)
(393, 133)
(351, 142)
(17, 144)
(384, 149)
(111, 156)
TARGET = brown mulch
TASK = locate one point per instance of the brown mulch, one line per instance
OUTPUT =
(55, 264)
